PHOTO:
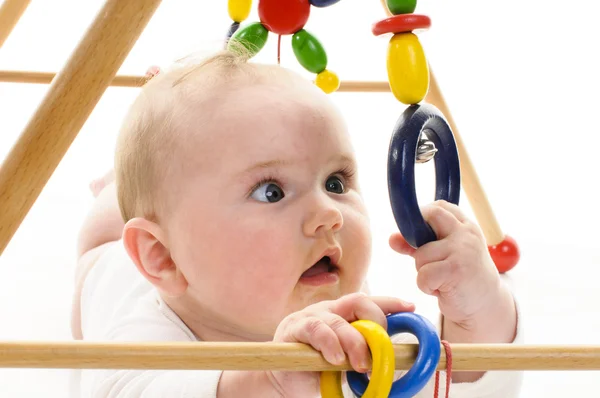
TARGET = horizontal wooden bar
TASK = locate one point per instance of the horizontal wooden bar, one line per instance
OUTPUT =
(278, 356)
(10, 76)
(13, 76)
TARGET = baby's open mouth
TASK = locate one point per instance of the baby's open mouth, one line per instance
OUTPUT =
(322, 266)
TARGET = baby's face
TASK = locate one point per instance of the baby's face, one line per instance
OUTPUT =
(267, 217)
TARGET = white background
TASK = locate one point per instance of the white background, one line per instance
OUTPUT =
(521, 79)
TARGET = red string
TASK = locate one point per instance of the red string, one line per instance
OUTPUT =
(448, 372)
(279, 50)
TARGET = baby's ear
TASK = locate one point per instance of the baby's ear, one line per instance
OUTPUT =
(143, 241)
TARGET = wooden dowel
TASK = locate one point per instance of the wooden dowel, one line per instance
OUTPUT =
(279, 356)
(469, 179)
(10, 76)
(70, 99)
(17, 76)
(10, 13)
(364, 87)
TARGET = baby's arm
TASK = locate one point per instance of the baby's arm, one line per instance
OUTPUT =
(104, 223)
(102, 226)
(476, 305)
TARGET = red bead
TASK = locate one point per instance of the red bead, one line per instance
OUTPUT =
(505, 254)
(284, 17)
(401, 24)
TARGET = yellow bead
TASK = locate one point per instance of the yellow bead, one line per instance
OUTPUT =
(327, 81)
(239, 9)
(408, 72)
(383, 359)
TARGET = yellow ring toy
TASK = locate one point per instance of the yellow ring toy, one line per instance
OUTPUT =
(384, 363)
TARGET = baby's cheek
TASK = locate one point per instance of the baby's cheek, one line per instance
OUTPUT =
(259, 279)
(262, 256)
(357, 245)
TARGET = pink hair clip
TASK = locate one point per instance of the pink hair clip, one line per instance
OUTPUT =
(152, 71)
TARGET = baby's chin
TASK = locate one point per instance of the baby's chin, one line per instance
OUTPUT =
(305, 296)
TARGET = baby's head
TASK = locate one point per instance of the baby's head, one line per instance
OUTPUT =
(237, 182)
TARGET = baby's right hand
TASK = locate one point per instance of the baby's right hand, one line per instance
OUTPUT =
(326, 327)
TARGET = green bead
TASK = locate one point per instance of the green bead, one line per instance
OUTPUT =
(253, 37)
(309, 51)
(398, 7)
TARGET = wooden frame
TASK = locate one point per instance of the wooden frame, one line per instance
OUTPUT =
(280, 356)
(72, 96)
(10, 13)
(70, 100)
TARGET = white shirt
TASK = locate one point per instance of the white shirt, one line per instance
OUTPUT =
(118, 304)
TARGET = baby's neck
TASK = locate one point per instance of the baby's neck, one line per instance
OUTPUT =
(208, 325)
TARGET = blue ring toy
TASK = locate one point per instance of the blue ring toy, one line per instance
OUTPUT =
(401, 169)
(425, 364)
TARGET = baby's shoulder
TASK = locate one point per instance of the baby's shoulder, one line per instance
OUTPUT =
(118, 303)
(112, 274)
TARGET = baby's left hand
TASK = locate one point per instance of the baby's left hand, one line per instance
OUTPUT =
(458, 270)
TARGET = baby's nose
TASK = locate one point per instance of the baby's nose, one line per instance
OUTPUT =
(323, 219)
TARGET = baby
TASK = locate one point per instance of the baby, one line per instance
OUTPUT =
(235, 214)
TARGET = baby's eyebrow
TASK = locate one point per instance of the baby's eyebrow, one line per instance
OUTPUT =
(345, 159)
(270, 164)
(267, 165)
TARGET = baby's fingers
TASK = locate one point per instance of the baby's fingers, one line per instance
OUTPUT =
(334, 337)
(360, 306)
(434, 276)
(317, 333)
(391, 305)
(353, 343)
(442, 221)
(400, 245)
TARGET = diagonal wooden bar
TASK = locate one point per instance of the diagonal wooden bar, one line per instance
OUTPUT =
(70, 100)
(15, 76)
(11, 12)
(470, 181)
(279, 356)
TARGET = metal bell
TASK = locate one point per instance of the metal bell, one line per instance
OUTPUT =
(426, 149)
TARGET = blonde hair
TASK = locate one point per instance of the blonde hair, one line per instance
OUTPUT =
(150, 136)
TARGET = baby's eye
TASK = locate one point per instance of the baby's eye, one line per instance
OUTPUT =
(268, 192)
(334, 184)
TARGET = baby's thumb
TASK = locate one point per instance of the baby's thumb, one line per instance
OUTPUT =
(399, 244)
